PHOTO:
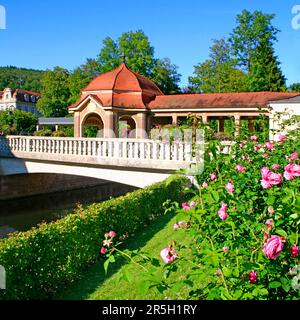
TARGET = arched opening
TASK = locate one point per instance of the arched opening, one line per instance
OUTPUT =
(92, 126)
(126, 127)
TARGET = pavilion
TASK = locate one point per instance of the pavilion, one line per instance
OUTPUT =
(123, 96)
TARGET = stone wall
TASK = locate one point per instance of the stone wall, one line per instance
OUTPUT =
(24, 185)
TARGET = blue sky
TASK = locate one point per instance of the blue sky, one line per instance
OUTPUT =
(43, 34)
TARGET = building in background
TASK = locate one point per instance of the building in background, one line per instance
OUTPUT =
(19, 99)
(123, 99)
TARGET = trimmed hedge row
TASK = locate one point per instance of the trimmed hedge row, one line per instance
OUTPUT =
(41, 261)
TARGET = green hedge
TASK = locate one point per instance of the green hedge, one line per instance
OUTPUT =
(43, 260)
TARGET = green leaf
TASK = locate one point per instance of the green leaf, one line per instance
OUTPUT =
(282, 233)
(274, 284)
(215, 195)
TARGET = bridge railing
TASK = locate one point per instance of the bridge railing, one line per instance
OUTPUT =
(142, 149)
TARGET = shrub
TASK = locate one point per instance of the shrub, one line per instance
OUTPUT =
(43, 133)
(58, 133)
(41, 261)
(242, 226)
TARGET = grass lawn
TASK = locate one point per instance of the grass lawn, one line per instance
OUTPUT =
(95, 285)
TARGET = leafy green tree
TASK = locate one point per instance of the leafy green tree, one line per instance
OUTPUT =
(109, 57)
(81, 77)
(265, 73)
(55, 93)
(166, 76)
(18, 122)
(27, 79)
(246, 37)
(219, 73)
(294, 87)
(139, 54)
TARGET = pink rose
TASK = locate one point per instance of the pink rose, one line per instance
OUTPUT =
(243, 157)
(269, 223)
(291, 171)
(240, 168)
(224, 206)
(269, 178)
(181, 224)
(275, 178)
(222, 214)
(269, 145)
(222, 211)
(252, 276)
(266, 184)
(273, 247)
(204, 185)
(253, 138)
(294, 156)
(213, 176)
(229, 187)
(294, 251)
(256, 148)
(281, 138)
(264, 173)
(184, 204)
(168, 255)
(112, 234)
(192, 204)
(266, 235)
(241, 145)
(275, 166)
(175, 226)
(225, 249)
(102, 250)
(271, 210)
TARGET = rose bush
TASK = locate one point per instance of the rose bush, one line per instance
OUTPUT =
(243, 224)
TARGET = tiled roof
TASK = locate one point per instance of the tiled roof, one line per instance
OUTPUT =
(218, 100)
(123, 79)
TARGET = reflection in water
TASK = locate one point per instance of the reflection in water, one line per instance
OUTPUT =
(25, 220)
(24, 213)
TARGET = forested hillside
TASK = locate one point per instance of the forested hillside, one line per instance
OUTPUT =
(14, 77)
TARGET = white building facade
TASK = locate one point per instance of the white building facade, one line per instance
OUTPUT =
(19, 99)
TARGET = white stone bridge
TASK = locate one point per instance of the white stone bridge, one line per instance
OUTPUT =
(136, 162)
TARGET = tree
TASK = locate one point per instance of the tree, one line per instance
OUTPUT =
(247, 35)
(265, 73)
(294, 87)
(219, 73)
(55, 93)
(81, 77)
(18, 122)
(139, 55)
(27, 79)
(109, 57)
(166, 76)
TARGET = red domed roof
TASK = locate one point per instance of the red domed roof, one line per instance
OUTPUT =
(123, 79)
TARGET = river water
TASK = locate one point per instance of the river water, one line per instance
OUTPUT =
(24, 213)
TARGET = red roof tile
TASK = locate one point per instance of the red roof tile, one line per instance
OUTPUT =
(218, 100)
(123, 79)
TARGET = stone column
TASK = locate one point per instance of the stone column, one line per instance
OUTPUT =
(237, 122)
(141, 126)
(251, 124)
(204, 118)
(109, 125)
(175, 119)
(78, 131)
(221, 124)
